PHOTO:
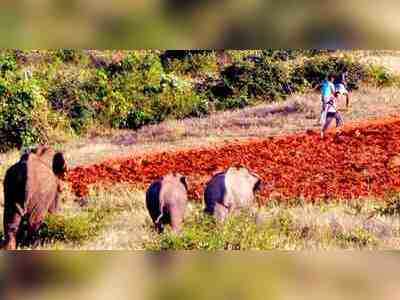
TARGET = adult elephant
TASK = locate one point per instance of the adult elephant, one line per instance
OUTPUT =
(31, 190)
(166, 200)
(230, 191)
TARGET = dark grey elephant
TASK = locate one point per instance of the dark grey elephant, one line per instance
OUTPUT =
(166, 201)
(31, 190)
(229, 191)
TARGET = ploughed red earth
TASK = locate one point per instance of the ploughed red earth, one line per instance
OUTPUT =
(360, 160)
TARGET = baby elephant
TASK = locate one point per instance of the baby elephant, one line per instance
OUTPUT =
(230, 190)
(166, 200)
(31, 189)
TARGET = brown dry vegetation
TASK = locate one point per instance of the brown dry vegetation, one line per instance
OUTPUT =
(388, 59)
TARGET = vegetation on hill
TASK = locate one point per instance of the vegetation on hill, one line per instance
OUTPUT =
(51, 96)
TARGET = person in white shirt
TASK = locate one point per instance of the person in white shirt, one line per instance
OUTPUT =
(330, 112)
(340, 86)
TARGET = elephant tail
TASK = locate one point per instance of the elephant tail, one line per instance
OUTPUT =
(159, 218)
(21, 210)
(161, 212)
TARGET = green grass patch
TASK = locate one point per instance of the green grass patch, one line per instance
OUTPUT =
(201, 232)
(76, 229)
(357, 238)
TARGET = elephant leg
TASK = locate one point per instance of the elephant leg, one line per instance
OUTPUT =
(176, 221)
(220, 212)
(33, 233)
(11, 228)
(159, 227)
(53, 208)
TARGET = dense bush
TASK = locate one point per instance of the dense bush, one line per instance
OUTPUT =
(264, 78)
(68, 95)
(7, 63)
(195, 62)
(68, 55)
(290, 54)
(316, 69)
(21, 114)
(135, 93)
(271, 77)
(232, 103)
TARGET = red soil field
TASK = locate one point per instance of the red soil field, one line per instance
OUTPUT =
(358, 161)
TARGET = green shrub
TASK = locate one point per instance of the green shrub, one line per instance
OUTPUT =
(270, 76)
(81, 118)
(381, 76)
(201, 232)
(132, 97)
(291, 54)
(73, 97)
(115, 109)
(239, 56)
(282, 54)
(232, 103)
(8, 63)
(96, 86)
(59, 228)
(359, 238)
(126, 65)
(391, 206)
(316, 69)
(69, 55)
(263, 79)
(270, 80)
(178, 104)
(152, 96)
(21, 114)
(137, 118)
(75, 229)
(194, 62)
(150, 72)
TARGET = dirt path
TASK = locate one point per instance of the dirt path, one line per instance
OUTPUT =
(348, 165)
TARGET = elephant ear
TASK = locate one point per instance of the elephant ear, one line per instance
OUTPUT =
(257, 185)
(40, 150)
(183, 181)
(59, 164)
